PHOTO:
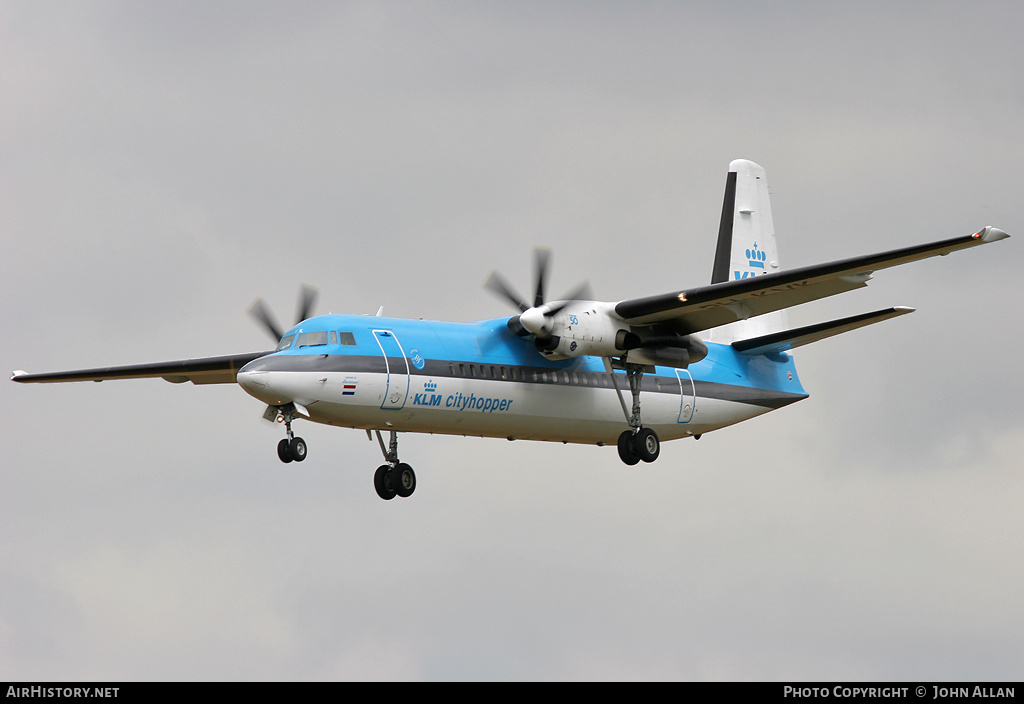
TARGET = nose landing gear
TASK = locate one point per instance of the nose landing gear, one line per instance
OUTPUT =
(291, 448)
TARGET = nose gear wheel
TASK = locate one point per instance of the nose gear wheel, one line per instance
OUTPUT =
(291, 448)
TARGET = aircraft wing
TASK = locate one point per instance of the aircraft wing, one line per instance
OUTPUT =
(205, 370)
(707, 307)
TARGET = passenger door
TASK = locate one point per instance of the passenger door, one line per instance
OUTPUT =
(687, 396)
(397, 363)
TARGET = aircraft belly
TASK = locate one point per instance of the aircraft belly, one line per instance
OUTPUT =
(459, 406)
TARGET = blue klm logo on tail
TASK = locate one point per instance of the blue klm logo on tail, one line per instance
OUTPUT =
(755, 260)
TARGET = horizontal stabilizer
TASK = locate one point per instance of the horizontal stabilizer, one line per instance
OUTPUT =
(789, 339)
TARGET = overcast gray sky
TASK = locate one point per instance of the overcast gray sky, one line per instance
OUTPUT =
(162, 164)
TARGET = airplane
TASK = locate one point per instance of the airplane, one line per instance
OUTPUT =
(571, 370)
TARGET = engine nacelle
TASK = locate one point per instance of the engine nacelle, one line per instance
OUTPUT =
(588, 328)
(565, 347)
(679, 357)
(667, 350)
(583, 328)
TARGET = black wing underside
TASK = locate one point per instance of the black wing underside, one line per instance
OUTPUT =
(697, 309)
(204, 370)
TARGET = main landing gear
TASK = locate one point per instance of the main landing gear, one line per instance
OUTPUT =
(291, 448)
(642, 444)
(394, 478)
(638, 443)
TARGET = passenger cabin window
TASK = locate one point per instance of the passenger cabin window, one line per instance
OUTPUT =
(285, 343)
(311, 339)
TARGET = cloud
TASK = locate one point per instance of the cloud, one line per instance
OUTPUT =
(163, 166)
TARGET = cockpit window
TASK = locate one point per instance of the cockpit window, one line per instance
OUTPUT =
(285, 343)
(311, 339)
(346, 338)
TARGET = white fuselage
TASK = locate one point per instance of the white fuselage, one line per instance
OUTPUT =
(413, 376)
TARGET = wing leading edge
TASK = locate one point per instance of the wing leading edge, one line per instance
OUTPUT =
(697, 309)
(205, 370)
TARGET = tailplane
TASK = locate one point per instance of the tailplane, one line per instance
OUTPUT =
(746, 246)
(785, 340)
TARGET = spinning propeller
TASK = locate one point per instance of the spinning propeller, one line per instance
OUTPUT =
(539, 318)
(259, 310)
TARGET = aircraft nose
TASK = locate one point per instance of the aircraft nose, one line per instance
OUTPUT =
(264, 380)
(255, 379)
(253, 374)
(251, 379)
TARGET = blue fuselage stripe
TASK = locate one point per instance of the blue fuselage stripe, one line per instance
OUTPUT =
(487, 350)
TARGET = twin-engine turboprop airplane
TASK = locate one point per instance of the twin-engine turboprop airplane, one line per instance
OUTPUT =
(571, 370)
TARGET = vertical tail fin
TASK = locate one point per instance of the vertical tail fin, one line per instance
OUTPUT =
(746, 244)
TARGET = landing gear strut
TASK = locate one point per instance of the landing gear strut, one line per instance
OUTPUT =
(291, 448)
(393, 478)
(638, 443)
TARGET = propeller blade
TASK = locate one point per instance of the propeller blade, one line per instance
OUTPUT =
(497, 284)
(542, 261)
(583, 292)
(259, 310)
(538, 319)
(306, 301)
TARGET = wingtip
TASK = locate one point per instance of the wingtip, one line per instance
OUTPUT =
(18, 372)
(991, 234)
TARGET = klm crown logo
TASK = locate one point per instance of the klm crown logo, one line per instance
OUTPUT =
(756, 257)
(755, 260)
(429, 397)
